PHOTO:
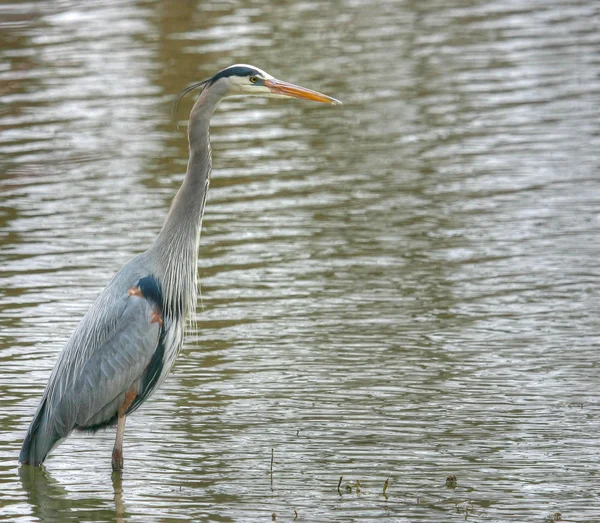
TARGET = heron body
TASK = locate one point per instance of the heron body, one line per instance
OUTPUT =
(127, 342)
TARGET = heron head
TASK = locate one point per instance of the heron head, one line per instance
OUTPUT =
(247, 80)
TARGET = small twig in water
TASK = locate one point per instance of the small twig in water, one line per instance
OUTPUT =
(385, 486)
(295, 515)
(272, 457)
(451, 481)
(339, 484)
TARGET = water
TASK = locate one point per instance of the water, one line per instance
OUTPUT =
(402, 287)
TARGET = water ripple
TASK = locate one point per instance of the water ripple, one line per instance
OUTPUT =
(401, 287)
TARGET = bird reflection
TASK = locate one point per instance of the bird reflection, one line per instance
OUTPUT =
(51, 502)
(117, 482)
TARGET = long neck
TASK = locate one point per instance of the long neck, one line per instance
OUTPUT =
(176, 246)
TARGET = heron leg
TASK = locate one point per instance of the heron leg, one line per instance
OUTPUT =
(117, 455)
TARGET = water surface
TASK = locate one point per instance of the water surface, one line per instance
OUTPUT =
(402, 287)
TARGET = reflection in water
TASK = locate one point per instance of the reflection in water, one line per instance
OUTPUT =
(49, 501)
(117, 481)
(405, 287)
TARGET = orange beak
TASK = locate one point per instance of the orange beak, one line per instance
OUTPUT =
(295, 91)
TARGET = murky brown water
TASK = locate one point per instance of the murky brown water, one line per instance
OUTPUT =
(403, 287)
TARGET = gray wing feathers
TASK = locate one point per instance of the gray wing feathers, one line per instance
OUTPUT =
(106, 353)
(114, 366)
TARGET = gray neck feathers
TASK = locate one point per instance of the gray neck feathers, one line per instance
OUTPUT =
(176, 247)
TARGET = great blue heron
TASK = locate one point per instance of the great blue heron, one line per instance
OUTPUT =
(126, 344)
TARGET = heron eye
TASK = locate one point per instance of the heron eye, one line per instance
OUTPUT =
(253, 79)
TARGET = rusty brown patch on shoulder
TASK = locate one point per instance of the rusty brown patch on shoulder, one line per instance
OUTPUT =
(134, 291)
(156, 317)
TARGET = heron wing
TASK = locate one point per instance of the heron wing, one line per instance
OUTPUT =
(106, 355)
